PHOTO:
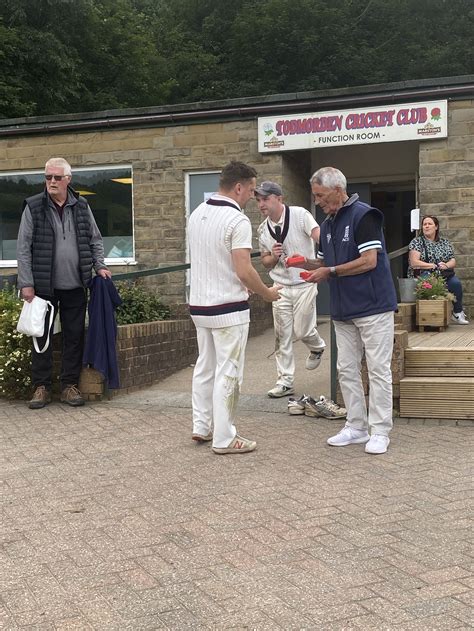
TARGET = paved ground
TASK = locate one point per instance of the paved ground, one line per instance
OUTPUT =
(113, 519)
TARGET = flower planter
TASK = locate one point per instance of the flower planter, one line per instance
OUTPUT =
(432, 313)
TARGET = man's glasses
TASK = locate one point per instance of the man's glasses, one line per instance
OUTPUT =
(56, 178)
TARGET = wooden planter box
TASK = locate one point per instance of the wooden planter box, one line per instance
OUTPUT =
(433, 313)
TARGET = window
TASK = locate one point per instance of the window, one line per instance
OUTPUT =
(108, 191)
(199, 187)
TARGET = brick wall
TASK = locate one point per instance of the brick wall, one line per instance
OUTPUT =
(147, 353)
(405, 319)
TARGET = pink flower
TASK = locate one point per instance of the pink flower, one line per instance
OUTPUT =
(426, 285)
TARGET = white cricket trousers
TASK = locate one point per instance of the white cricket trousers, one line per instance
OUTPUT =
(217, 379)
(374, 336)
(294, 318)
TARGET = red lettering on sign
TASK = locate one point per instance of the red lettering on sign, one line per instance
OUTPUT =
(413, 116)
(366, 120)
(298, 126)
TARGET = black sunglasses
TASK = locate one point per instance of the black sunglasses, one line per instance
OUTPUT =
(56, 178)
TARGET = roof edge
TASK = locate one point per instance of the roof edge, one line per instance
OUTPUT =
(183, 113)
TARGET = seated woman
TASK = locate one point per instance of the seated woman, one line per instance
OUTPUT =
(428, 253)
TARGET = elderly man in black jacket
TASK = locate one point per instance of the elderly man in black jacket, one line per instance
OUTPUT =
(58, 245)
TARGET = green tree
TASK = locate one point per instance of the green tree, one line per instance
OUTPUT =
(59, 56)
(77, 55)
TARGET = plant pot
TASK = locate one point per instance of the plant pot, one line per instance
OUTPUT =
(406, 287)
(433, 313)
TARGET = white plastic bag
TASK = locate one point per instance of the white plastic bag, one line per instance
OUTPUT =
(32, 320)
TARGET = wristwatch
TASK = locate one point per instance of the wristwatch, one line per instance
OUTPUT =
(332, 272)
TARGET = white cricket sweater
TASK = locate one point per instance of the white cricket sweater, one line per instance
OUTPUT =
(217, 296)
(296, 240)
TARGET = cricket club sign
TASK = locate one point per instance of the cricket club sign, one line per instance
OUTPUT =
(408, 121)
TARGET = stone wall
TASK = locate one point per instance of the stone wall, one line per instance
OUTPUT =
(160, 158)
(447, 189)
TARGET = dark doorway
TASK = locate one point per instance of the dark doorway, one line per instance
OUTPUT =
(396, 201)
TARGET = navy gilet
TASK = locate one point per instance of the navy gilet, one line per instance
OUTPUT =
(363, 294)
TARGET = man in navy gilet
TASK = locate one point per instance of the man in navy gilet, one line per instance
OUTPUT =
(58, 245)
(353, 259)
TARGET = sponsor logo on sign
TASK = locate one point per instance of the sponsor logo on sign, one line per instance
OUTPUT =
(429, 130)
(273, 143)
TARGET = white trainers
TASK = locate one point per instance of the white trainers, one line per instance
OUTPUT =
(297, 407)
(314, 359)
(460, 318)
(239, 445)
(348, 436)
(324, 407)
(378, 444)
(280, 391)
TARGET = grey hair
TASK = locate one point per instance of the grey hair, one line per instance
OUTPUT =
(60, 163)
(329, 177)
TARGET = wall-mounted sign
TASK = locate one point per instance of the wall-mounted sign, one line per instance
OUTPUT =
(386, 123)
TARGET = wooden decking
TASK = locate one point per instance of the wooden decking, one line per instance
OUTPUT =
(439, 374)
(456, 336)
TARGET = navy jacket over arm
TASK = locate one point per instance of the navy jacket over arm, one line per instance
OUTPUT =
(100, 351)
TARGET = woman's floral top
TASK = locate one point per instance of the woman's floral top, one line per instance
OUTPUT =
(437, 251)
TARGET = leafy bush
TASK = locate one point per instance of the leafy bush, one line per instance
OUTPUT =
(15, 349)
(139, 304)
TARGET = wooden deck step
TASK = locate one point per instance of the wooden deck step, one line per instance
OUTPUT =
(442, 362)
(437, 397)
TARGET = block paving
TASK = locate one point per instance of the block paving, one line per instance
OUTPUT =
(112, 518)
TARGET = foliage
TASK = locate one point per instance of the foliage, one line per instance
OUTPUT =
(63, 56)
(432, 287)
(139, 304)
(15, 349)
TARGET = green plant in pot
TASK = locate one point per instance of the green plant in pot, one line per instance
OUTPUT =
(432, 287)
